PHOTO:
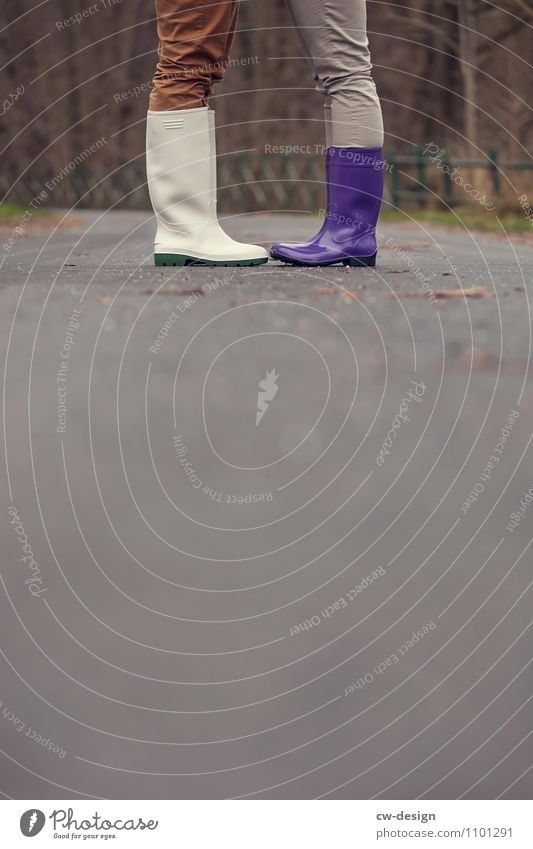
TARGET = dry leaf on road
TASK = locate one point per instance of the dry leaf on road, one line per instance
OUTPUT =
(473, 292)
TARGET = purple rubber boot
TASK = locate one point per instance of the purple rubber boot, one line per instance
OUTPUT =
(354, 193)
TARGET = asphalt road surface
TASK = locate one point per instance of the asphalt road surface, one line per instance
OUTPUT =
(266, 532)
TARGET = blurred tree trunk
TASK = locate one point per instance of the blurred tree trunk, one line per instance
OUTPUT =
(468, 46)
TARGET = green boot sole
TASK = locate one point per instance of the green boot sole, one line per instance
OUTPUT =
(183, 259)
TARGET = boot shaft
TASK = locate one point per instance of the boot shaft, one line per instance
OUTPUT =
(355, 181)
(179, 167)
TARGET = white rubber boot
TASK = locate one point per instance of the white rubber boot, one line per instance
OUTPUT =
(181, 169)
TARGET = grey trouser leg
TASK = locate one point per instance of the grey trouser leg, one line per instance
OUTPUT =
(333, 37)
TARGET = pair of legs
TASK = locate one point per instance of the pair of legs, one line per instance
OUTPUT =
(195, 39)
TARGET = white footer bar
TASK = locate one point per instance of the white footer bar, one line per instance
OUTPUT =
(268, 824)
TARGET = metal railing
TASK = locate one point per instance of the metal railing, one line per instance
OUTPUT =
(252, 181)
(430, 175)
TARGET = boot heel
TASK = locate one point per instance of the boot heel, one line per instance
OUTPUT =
(170, 259)
(361, 261)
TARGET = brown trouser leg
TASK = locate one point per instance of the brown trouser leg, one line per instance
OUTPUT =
(195, 38)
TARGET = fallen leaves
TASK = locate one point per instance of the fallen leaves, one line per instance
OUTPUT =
(472, 292)
(178, 292)
(439, 294)
(346, 295)
(172, 292)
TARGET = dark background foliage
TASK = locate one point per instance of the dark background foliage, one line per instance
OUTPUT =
(453, 72)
